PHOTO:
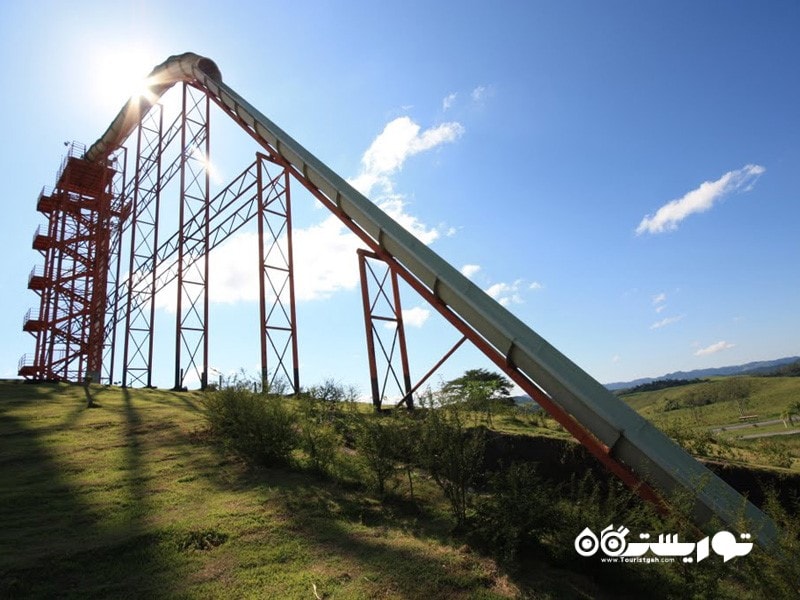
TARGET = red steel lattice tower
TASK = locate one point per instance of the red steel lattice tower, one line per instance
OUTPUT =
(71, 284)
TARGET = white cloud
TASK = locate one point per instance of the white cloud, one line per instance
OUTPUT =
(325, 262)
(470, 270)
(506, 293)
(658, 302)
(233, 270)
(395, 207)
(665, 322)
(700, 199)
(400, 139)
(325, 259)
(481, 93)
(616, 358)
(448, 100)
(412, 317)
(511, 293)
(415, 317)
(714, 348)
(325, 253)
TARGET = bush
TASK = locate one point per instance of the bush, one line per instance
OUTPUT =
(452, 455)
(333, 402)
(776, 453)
(260, 428)
(332, 391)
(318, 438)
(516, 514)
(375, 440)
(779, 571)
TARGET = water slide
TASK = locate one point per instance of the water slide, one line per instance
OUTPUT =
(620, 438)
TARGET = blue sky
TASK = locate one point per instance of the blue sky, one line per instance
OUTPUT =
(623, 176)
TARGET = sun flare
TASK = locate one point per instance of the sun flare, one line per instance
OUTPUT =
(119, 76)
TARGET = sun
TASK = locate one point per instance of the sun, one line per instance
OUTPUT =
(118, 75)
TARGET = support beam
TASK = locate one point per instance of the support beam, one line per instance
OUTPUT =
(277, 309)
(383, 316)
(191, 323)
(144, 225)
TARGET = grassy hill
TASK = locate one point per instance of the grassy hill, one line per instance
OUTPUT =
(132, 498)
(721, 417)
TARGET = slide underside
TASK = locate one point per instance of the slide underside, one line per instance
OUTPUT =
(629, 440)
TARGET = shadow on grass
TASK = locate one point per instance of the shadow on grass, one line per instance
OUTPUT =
(185, 400)
(347, 543)
(60, 537)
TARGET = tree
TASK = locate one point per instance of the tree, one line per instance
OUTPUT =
(792, 411)
(480, 390)
(452, 454)
(738, 389)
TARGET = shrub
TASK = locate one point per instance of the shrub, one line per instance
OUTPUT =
(333, 401)
(407, 433)
(318, 438)
(260, 428)
(516, 513)
(331, 391)
(452, 455)
(779, 571)
(375, 440)
(776, 453)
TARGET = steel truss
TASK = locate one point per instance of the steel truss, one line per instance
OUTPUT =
(191, 322)
(122, 257)
(383, 314)
(277, 308)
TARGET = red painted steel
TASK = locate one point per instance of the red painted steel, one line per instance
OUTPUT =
(439, 363)
(277, 308)
(143, 224)
(602, 452)
(191, 320)
(392, 315)
(72, 282)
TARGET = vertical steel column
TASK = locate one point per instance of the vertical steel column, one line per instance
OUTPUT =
(97, 276)
(119, 215)
(145, 211)
(395, 317)
(278, 330)
(191, 324)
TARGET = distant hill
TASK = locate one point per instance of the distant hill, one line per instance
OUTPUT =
(751, 368)
(526, 401)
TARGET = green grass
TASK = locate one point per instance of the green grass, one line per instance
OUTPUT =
(767, 399)
(130, 499)
(133, 499)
